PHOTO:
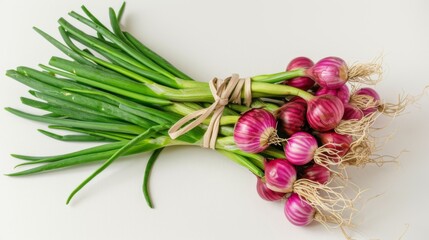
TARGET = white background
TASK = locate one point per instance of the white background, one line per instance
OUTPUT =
(198, 193)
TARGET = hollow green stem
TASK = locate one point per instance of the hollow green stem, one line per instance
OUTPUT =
(128, 49)
(27, 158)
(118, 65)
(155, 57)
(149, 113)
(114, 127)
(114, 23)
(110, 135)
(69, 52)
(98, 44)
(74, 138)
(274, 152)
(144, 146)
(92, 17)
(243, 162)
(97, 75)
(266, 105)
(121, 11)
(147, 172)
(120, 91)
(279, 77)
(78, 113)
(91, 150)
(276, 90)
(115, 156)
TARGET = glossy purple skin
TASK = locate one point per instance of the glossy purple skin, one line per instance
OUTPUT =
(329, 72)
(280, 175)
(352, 113)
(324, 112)
(369, 92)
(291, 116)
(266, 193)
(336, 141)
(253, 129)
(343, 93)
(298, 211)
(317, 173)
(303, 83)
(300, 147)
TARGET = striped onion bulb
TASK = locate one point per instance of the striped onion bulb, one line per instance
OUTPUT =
(280, 175)
(298, 211)
(324, 112)
(254, 130)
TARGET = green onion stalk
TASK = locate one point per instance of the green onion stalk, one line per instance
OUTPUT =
(117, 91)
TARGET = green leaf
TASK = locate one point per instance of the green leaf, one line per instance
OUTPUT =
(116, 155)
(147, 172)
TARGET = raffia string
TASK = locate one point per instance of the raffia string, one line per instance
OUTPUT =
(224, 92)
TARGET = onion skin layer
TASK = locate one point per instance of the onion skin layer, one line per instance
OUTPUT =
(324, 112)
(291, 116)
(343, 93)
(317, 173)
(280, 175)
(329, 72)
(298, 211)
(339, 142)
(266, 193)
(300, 148)
(254, 129)
(352, 113)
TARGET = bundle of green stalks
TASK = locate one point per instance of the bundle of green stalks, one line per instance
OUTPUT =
(298, 126)
(117, 91)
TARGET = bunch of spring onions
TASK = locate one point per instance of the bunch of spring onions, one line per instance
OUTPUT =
(302, 129)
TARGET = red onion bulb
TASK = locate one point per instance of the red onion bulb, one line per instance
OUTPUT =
(317, 173)
(298, 211)
(343, 93)
(266, 193)
(300, 148)
(352, 113)
(336, 141)
(329, 72)
(372, 98)
(291, 116)
(303, 83)
(324, 112)
(254, 130)
(280, 175)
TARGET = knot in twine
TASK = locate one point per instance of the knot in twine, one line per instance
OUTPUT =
(224, 92)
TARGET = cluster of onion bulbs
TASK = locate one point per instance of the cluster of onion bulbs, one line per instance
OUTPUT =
(307, 131)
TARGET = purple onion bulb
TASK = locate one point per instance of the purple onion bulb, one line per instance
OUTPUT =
(254, 130)
(298, 211)
(317, 173)
(303, 83)
(352, 113)
(291, 116)
(266, 193)
(343, 93)
(300, 148)
(324, 112)
(329, 72)
(280, 175)
(336, 141)
(375, 100)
